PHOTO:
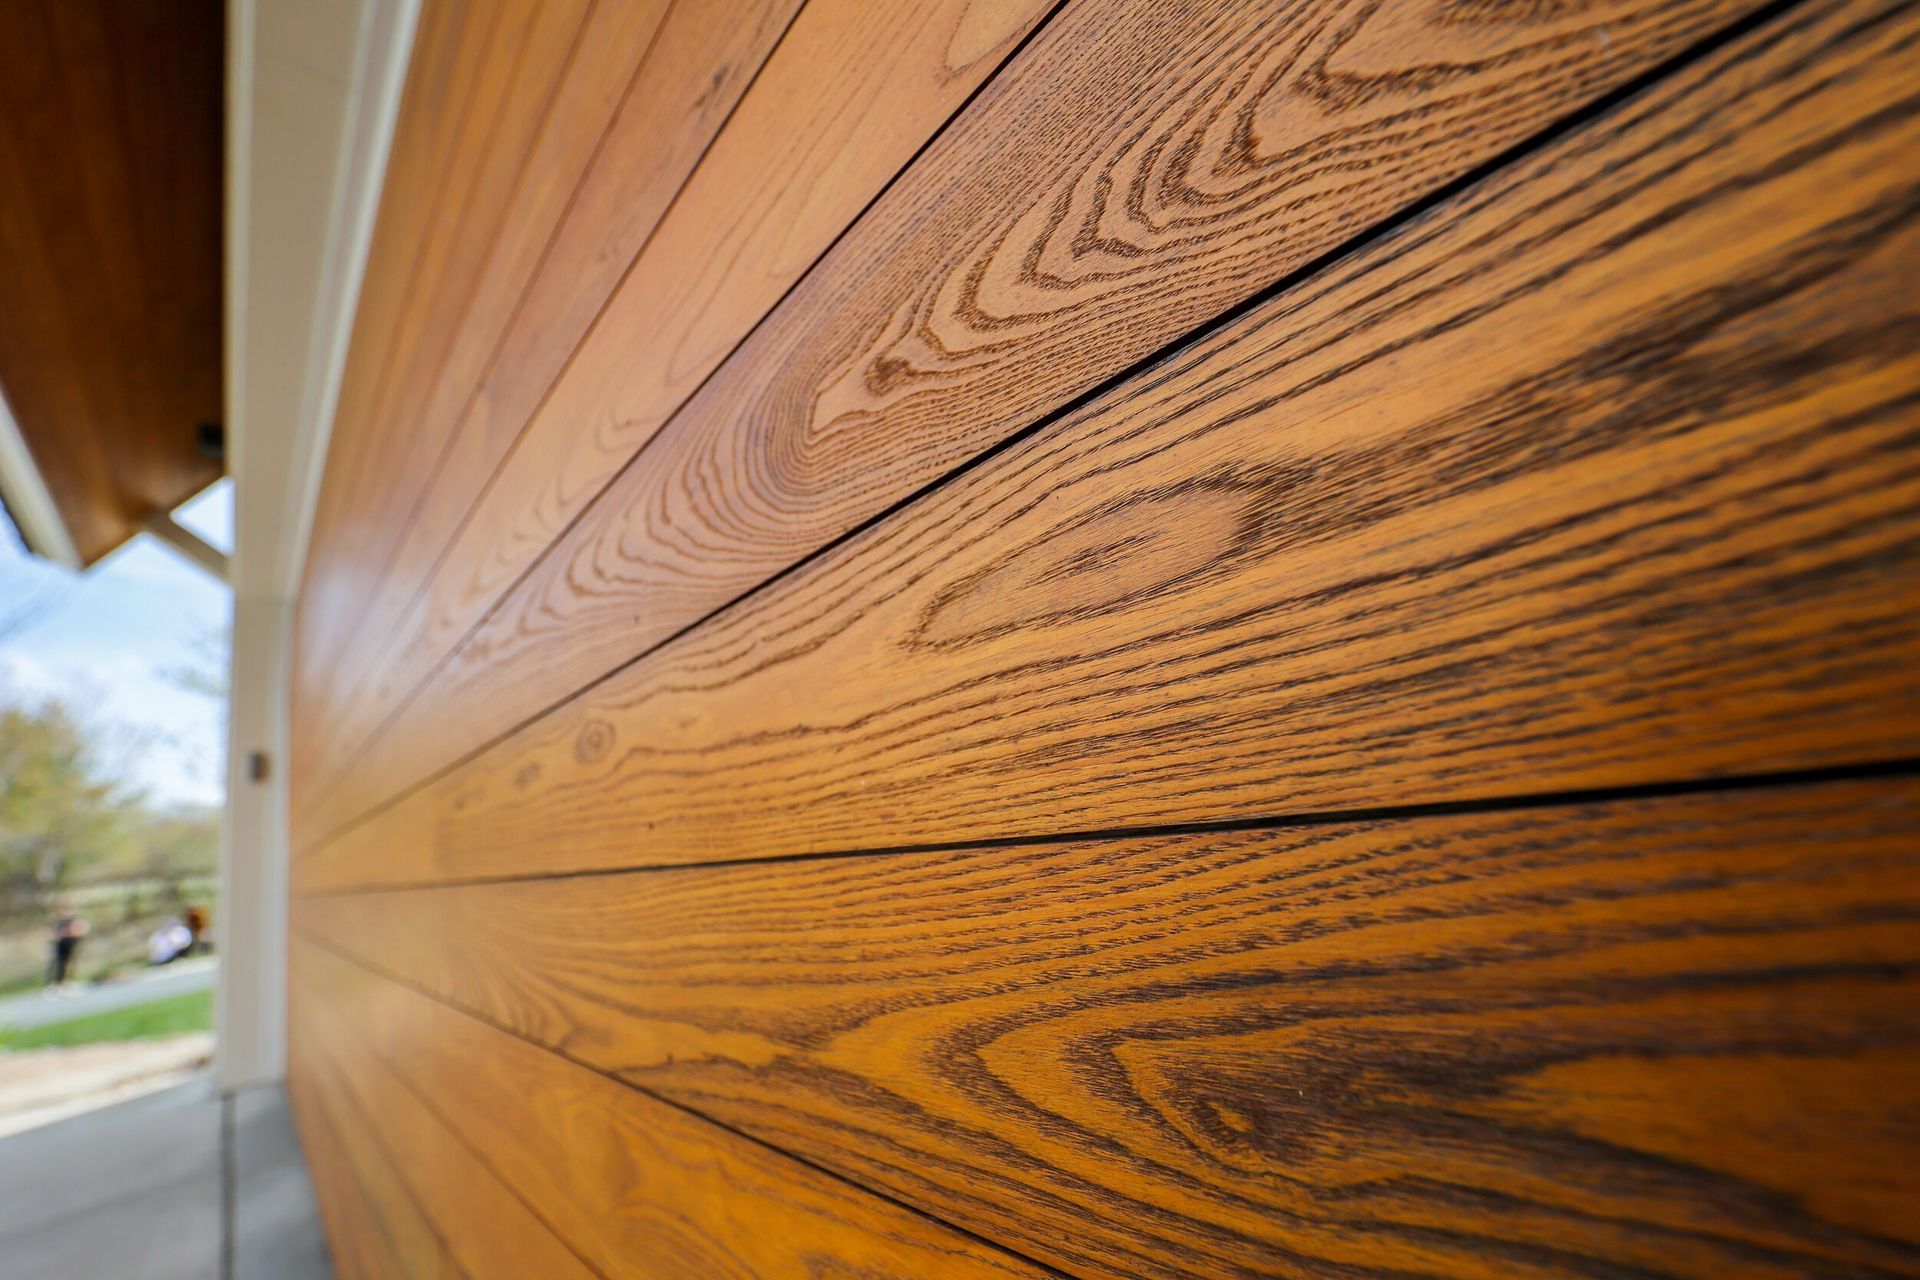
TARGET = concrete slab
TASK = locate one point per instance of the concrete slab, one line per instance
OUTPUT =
(131, 1190)
(137, 1191)
(277, 1233)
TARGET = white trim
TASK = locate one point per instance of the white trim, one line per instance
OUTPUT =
(314, 93)
(387, 29)
(239, 176)
(187, 543)
(29, 503)
(329, 136)
(250, 993)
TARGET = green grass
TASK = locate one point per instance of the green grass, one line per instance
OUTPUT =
(172, 1016)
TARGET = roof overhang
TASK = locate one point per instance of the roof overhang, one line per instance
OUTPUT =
(122, 368)
(110, 265)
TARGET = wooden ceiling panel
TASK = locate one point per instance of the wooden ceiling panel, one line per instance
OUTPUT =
(110, 252)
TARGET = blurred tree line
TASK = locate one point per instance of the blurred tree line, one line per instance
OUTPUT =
(66, 820)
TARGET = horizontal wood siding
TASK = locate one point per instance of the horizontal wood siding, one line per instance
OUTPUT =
(831, 117)
(1122, 641)
(636, 1186)
(967, 303)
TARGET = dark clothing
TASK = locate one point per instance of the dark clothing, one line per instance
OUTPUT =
(67, 932)
(64, 947)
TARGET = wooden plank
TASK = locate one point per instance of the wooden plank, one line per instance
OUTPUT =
(450, 48)
(531, 52)
(637, 1186)
(357, 1243)
(1670, 1036)
(604, 169)
(470, 131)
(843, 104)
(1600, 475)
(381, 1227)
(487, 1231)
(1134, 171)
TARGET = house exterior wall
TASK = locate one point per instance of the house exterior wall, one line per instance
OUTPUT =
(967, 638)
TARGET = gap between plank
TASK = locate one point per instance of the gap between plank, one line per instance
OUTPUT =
(1171, 351)
(1899, 767)
(229, 1187)
(382, 973)
(526, 291)
(392, 717)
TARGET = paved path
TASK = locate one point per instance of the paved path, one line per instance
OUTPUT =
(178, 1185)
(177, 979)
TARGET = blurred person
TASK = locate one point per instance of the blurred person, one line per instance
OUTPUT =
(68, 929)
(197, 923)
(169, 942)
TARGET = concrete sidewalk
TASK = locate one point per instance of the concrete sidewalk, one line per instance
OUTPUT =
(177, 979)
(179, 1185)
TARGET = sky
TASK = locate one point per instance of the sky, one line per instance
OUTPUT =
(104, 641)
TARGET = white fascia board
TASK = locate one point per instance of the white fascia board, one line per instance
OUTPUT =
(315, 95)
(28, 501)
(380, 73)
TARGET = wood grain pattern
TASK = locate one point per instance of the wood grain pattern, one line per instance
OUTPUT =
(376, 1228)
(492, 131)
(844, 102)
(1614, 450)
(1135, 170)
(452, 47)
(110, 253)
(372, 465)
(473, 133)
(1671, 1036)
(486, 1231)
(639, 1187)
(644, 94)
(343, 1213)
(829, 910)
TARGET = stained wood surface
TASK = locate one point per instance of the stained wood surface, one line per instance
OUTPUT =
(452, 49)
(110, 253)
(804, 551)
(375, 470)
(1611, 450)
(1672, 1036)
(376, 1228)
(1135, 170)
(639, 1187)
(343, 1212)
(485, 1230)
(844, 102)
(639, 100)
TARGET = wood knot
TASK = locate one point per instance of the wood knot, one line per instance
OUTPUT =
(1112, 558)
(593, 743)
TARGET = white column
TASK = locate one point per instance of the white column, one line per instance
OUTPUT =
(313, 91)
(250, 1015)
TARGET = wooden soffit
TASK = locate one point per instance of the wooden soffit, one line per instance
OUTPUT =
(110, 254)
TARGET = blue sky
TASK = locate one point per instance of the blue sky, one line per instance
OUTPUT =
(103, 641)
